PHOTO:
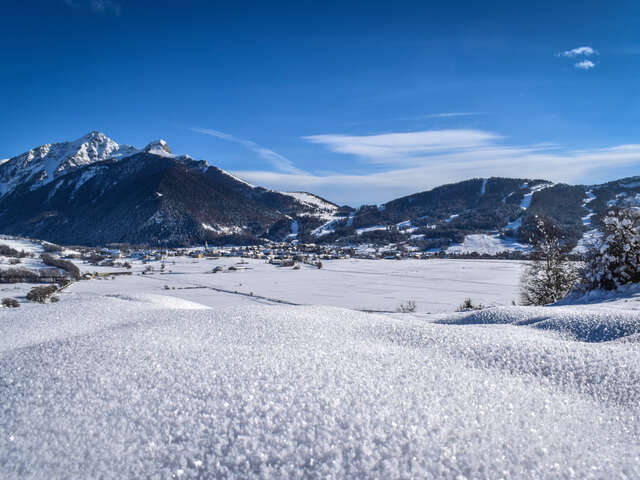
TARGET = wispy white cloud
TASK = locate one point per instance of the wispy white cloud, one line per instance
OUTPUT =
(575, 52)
(450, 114)
(414, 162)
(585, 65)
(280, 162)
(443, 115)
(404, 148)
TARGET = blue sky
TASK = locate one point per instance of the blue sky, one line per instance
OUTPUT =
(356, 101)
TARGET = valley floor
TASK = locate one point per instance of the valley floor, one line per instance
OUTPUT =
(437, 286)
(186, 374)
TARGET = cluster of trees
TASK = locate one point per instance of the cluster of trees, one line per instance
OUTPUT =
(7, 251)
(66, 265)
(613, 260)
(42, 275)
(53, 276)
(563, 203)
(9, 303)
(504, 255)
(42, 294)
(24, 275)
(234, 239)
(51, 247)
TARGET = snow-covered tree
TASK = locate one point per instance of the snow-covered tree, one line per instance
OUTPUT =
(614, 259)
(550, 275)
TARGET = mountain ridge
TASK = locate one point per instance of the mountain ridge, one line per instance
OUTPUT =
(95, 191)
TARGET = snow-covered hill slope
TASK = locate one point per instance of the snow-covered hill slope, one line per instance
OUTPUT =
(441, 218)
(486, 245)
(313, 201)
(126, 388)
(483, 216)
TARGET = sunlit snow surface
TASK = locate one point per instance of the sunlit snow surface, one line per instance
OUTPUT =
(437, 286)
(486, 244)
(116, 381)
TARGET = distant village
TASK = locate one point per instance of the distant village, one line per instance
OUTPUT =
(283, 254)
(274, 253)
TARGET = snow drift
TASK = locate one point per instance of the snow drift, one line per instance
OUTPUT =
(314, 392)
(586, 325)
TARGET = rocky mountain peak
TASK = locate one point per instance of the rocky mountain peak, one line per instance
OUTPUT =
(158, 146)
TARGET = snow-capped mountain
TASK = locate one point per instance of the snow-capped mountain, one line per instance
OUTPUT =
(43, 164)
(159, 147)
(93, 190)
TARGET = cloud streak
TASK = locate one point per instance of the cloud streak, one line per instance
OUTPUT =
(279, 162)
(403, 148)
(406, 163)
(449, 115)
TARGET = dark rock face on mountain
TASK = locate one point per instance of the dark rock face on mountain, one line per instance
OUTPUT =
(150, 197)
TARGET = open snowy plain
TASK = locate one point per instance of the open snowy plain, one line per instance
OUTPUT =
(437, 286)
(191, 374)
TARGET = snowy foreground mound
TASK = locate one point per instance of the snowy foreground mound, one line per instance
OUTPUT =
(586, 325)
(135, 387)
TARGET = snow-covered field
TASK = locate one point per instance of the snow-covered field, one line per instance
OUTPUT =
(126, 379)
(436, 286)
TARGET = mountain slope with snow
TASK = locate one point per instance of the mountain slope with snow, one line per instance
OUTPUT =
(94, 191)
(484, 216)
(41, 165)
(313, 200)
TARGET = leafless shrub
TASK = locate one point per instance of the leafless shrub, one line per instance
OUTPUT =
(467, 305)
(51, 247)
(41, 294)
(407, 307)
(10, 303)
